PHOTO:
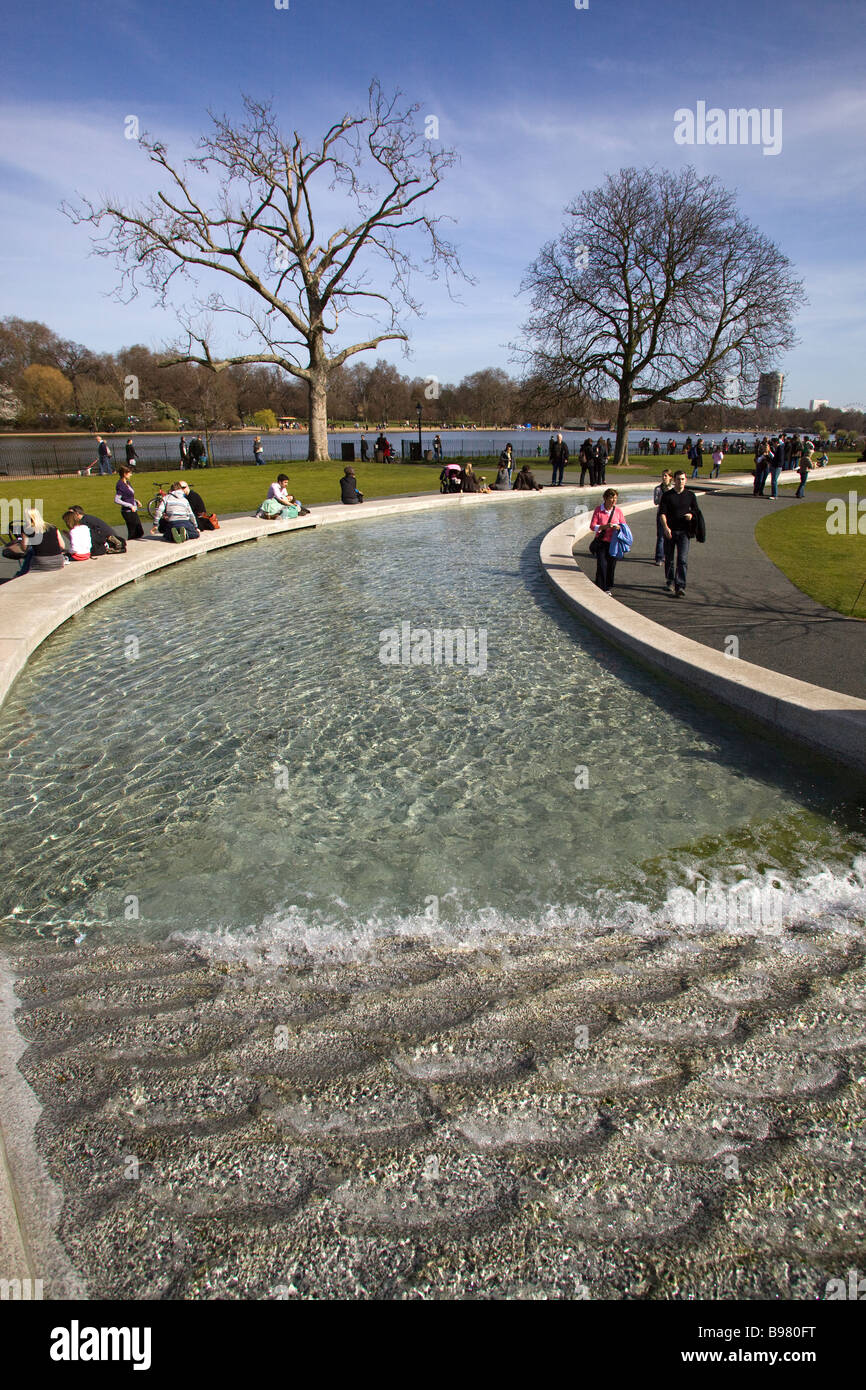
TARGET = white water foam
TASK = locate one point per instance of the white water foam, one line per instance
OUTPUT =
(759, 906)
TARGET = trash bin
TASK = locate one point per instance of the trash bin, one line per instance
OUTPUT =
(414, 452)
(347, 453)
(428, 455)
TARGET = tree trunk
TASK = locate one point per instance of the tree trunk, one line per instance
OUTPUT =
(317, 403)
(620, 449)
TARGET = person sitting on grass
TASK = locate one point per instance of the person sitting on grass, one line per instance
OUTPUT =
(279, 505)
(174, 518)
(525, 480)
(80, 541)
(349, 493)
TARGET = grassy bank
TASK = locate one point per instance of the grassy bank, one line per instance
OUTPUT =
(242, 489)
(830, 568)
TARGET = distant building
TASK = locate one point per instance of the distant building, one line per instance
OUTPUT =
(770, 390)
(817, 405)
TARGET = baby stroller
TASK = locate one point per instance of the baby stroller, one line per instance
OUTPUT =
(449, 478)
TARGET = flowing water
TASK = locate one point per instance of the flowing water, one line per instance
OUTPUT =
(223, 751)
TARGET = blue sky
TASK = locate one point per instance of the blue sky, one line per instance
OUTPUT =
(540, 100)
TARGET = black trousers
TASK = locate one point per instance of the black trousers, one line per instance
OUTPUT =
(134, 528)
(605, 567)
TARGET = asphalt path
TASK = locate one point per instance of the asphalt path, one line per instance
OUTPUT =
(735, 591)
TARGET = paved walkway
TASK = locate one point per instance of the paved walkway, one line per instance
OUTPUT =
(735, 590)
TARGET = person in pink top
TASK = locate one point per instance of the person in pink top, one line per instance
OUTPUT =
(605, 522)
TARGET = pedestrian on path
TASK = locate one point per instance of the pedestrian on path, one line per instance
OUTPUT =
(103, 454)
(585, 456)
(678, 510)
(659, 492)
(605, 522)
(763, 460)
(804, 464)
(718, 460)
(184, 453)
(258, 451)
(776, 465)
(697, 457)
(602, 456)
(558, 452)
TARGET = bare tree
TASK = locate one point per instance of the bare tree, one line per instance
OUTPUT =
(658, 288)
(261, 233)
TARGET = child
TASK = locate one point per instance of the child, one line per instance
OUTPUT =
(80, 540)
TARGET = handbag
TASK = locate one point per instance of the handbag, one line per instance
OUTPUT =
(595, 545)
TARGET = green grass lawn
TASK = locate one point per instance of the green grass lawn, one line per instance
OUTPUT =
(243, 488)
(829, 568)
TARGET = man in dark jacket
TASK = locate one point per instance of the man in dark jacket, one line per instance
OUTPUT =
(697, 457)
(558, 453)
(349, 488)
(585, 457)
(525, 480)
(779, 448)
(601, 466)
(678, 511)
(102, 537)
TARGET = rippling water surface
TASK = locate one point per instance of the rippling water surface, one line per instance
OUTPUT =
(222, 750)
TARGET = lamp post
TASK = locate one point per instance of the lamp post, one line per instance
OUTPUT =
(420, 442)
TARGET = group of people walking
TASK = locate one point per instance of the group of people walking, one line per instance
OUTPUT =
(679, 520)
(774, 455)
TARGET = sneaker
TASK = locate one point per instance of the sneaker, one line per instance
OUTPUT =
(669, 585)
(678, 593)
(178, 534)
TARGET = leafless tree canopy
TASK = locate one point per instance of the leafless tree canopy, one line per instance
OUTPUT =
(296, 283)
(658, 290)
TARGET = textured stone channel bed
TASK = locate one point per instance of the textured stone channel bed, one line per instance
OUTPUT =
(609, 1117)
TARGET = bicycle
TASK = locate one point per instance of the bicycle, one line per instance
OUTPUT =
(154, 502)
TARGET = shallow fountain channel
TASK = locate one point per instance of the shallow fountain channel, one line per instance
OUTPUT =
(270, 749)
